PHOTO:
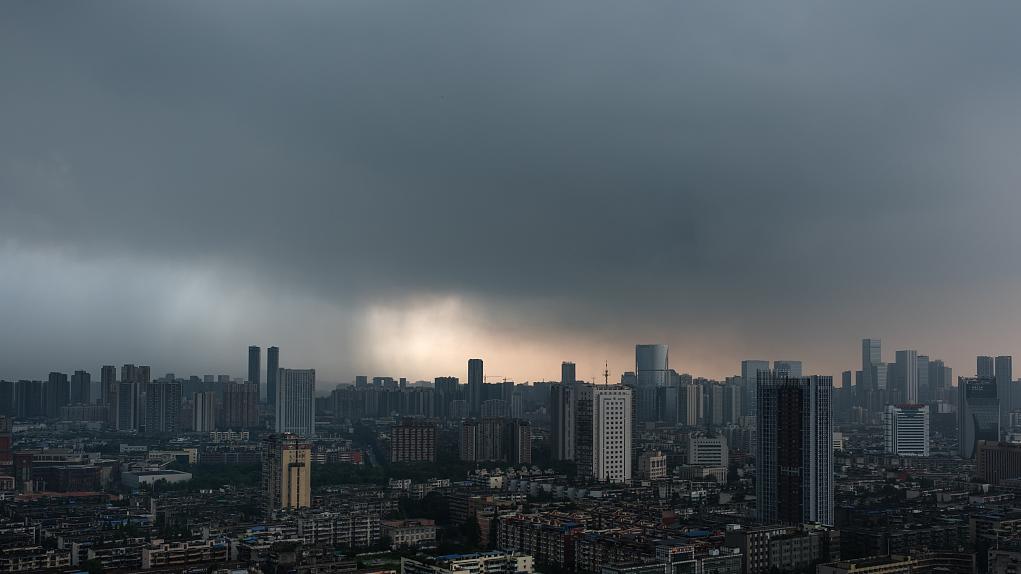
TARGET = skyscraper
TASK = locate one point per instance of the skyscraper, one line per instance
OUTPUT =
(272, 372)
(476, 380)
(240, 406)
(108, 385)
(81, 387)
(605, 427)
(57, 394)
(652, 365)
(295, 404)
(940, 378)
(978, 414)
(286, 471)
(906, 372)
(794, 454)
(254, 365)
(793, 368)
(204, 412)
(984, 367)
(871, 355)
(749, 373)
(907, 430)
(162, 407)
(1004, 374)
(567, 373)
(924, 387)
(563, 407)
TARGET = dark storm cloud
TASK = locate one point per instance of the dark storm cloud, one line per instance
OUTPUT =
(691, 172)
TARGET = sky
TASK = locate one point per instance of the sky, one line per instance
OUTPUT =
(391, 188)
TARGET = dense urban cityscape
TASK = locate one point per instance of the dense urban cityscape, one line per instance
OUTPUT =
(492, 287)
(896, 467)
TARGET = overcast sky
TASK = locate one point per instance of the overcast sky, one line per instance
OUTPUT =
(390, 188)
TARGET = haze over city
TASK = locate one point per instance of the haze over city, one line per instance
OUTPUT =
(394, 188)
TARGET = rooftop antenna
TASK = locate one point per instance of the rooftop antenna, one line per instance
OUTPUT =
(606, 372)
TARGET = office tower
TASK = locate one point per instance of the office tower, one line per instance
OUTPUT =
(652, 363)
(81, 388)
(567, 373)
(57, 393)
(871, 355)
(476, 380)
(413, 441)
(792, 368)
(255, 365)
(1004, 378)
(204, 412)
(127, 406)
(906, 373)
(794, 454)
(984, 368)
(295, 404)
(240, 406)
(28, 398)
(749, 376)
(286, 470)
(8, 406)
(924, 387)
(940, 378)
(708, 450)
(162, 407)
(108, 384)
(978, 413)
(272, 372)
(907, 430)
(562, 414)
(604, 432)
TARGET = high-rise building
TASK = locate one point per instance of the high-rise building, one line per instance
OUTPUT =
(81, 387)
(203, 412)
(8, 406)
(604, 432)
(255, 365)
(996, 461)
(240, 406)
(127, 406)
(563, 408)
(567, 373)
(57, 394)
(978, 413)
(162, 407)
(476, 380)
(272, 372)
(924, 387)
(689, 404)
(295, 404)
(749, 375)
(1004, 379)
(906, 373)
(652, 365)
(413, 441)
(496, 439)
(907, 430)
(794, 454)
(286, 472)
(940, 379)
(985, 367)
(108, 385)
(871, 355)
(28, 399)
(792, 368)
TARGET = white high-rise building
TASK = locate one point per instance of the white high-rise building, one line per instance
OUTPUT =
(295, 402)
(708, 450)
(907, 430)
(610, 409)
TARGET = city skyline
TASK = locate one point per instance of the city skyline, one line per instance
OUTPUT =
(539, 195)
